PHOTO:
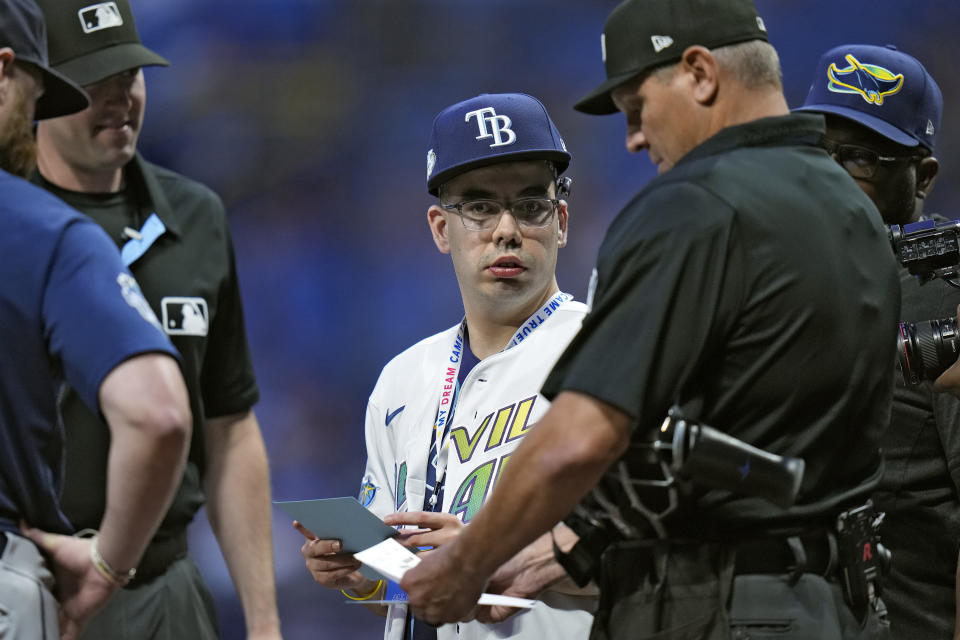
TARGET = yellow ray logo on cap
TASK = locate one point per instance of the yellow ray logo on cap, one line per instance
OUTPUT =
(872, 82)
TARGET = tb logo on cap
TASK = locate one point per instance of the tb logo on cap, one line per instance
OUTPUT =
(498, 126)
(872, 82)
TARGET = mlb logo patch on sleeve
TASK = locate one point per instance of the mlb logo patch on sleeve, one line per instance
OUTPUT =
(185, 316)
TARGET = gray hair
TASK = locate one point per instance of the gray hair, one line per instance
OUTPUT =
(755, 63)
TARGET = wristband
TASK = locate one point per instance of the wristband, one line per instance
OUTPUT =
(103, 567)
(366, 597)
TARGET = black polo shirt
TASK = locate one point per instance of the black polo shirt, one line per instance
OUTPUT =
(184, 263)
(753, 284)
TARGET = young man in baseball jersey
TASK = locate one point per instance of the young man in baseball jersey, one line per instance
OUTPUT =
(447, 413)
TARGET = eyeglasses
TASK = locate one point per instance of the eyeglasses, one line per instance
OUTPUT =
(482, 215)
(861, 162)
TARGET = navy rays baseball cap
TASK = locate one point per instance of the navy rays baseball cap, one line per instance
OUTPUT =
(91, 41)
(641, 35)
(22, 29)
(881, 88)
(491, 128)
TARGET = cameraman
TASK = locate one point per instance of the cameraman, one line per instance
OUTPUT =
(885, 141)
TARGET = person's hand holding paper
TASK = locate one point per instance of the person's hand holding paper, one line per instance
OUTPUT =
(330, 567)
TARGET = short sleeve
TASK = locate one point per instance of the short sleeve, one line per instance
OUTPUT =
(665, 287)
(94, 314)
(377, 491)
(227, 380)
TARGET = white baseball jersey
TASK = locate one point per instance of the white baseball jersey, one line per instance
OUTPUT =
(498, 402)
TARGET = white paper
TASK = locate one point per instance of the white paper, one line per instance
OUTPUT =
(493, 599)
(489, 599)
(389, 557)
(393, 560)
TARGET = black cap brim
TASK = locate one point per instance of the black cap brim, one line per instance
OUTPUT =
(873, 123)
(61, 96)
(598, 102)
(103, 63)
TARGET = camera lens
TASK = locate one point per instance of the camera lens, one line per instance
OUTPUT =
(927, 349)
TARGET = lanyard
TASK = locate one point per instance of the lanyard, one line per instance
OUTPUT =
(449, 392)
(449, 396)
(152, 229)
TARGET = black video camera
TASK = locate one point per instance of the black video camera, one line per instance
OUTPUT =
(928, 249)
(927, 349)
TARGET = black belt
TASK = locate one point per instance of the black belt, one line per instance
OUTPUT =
(814, 553)
(158, 557)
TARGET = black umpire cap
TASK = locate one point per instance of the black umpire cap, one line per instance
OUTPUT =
(91, 41)
(22, 29)
(641, 35)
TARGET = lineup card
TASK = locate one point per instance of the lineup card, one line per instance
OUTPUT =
(343, 519)
(392, 559)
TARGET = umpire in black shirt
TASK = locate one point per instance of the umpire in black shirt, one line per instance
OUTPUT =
(752, 285)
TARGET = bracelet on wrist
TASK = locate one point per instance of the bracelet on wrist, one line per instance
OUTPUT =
(103, 567)
(376, 588)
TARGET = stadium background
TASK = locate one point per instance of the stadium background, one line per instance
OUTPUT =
(311, 118)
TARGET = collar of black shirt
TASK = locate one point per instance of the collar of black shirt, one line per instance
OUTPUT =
(138, 172)
(793, 129)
